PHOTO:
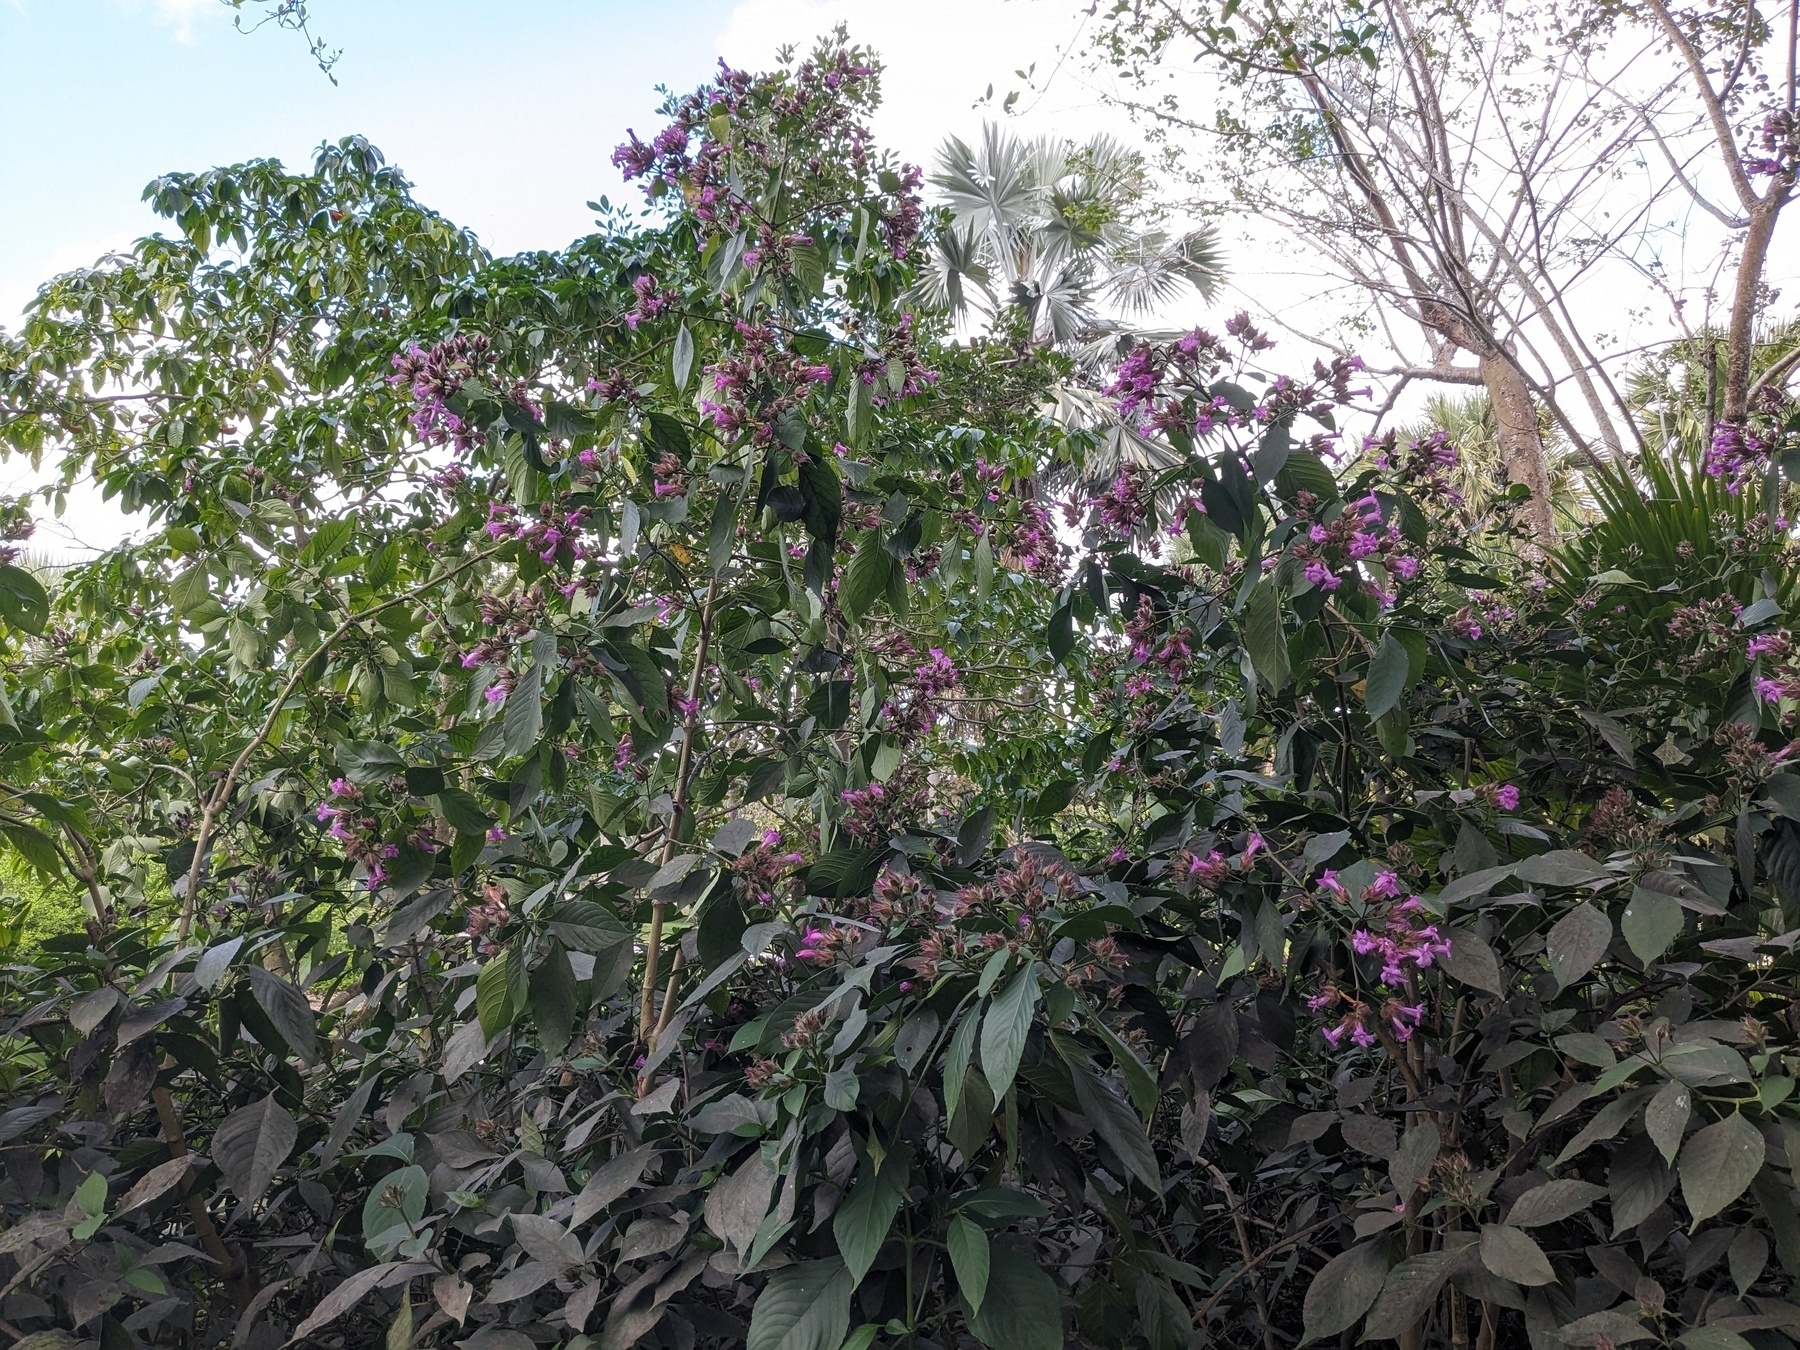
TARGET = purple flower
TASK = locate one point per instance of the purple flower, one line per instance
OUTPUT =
(1506, 797)
(496, 834)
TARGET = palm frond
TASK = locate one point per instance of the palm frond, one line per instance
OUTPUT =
(1149, 269)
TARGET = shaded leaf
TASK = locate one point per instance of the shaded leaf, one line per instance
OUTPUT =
(1717, 1165)
(251, 1144)
(1343, 1290)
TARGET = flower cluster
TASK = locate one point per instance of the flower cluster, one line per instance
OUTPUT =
(1125, 505)
(1330, 550)
(1402, 945)
(1358, 1019)
(437, 374)
(1777, 663)
(875, 813)
(1425, 463)
(818, 106)
(1033, 546)
(1735, 455)
(16, 526)
(649, 301)
(765, 870)
(1500, 796)
(899, 370)
(483, 921)
(900, 226)
(355, 831)
(755, 385)
(555, 536)
(937, 676)
(1779, 141)
(1172, 652)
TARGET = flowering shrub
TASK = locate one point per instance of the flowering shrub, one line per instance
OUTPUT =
(612, 812)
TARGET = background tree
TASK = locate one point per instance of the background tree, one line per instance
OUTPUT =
(1492, 183)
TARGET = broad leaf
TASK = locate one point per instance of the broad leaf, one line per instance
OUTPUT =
(1021, 1309)
(1343, 1290)
(805, 1306)
(1717, 1165)
(251, 1145)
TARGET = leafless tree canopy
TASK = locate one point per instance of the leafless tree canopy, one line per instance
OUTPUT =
(1524, 197)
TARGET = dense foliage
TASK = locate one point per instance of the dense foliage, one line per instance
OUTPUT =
(675, 839)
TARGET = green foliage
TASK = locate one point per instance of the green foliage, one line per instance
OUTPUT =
(674, 842)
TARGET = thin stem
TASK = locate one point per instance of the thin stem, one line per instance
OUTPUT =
(647, 1026)
(222, 794)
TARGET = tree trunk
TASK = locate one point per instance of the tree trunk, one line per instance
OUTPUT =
(1743, 308)
(1521, 442)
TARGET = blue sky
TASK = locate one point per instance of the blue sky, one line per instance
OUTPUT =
(504, 113)
(505, 123)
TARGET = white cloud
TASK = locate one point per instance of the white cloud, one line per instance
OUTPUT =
(176, 14)
(941, 57)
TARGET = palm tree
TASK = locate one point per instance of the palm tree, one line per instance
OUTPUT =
(1480, 474)
(1059, 237)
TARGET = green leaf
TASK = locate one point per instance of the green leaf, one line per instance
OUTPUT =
(1005, 1028)
(1410, 1288)
(587, 927)
(1264, 637)
(858, 415)
(35, 847)
(523, 716)
(1473, 962)
(1021, 1309)
(862, 1221)
(90, 1196)
(1650, 923)
(1060, 637)
(866, 578)
(493, 996)
(1118, 1126)
(1560, 867)
(1666, 1118)
(1343, 1290)
(398, 1198)
(1511, 1254)
(681, 360)
(461, 811)
(1387, 677)
(287, 1008)
(250, 1146)
(1139, 1081)
(189, 593)
(1713, 1338)
(1552, 1202)
(552, 999)
(1577, 941)
(1717, 1165)
(956, 1061)
(720, 536)
(968, 1246)
(805, 1306)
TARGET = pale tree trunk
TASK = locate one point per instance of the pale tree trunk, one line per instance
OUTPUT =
(1521, 442)
(1744, 299)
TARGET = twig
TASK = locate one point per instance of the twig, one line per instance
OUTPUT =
(210, 813)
